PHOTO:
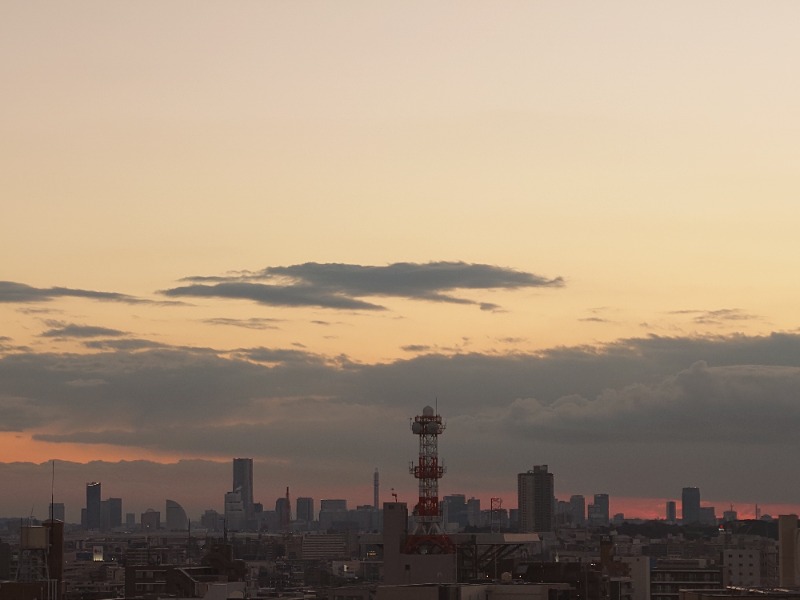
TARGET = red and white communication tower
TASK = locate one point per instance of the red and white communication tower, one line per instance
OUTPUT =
(428, 536)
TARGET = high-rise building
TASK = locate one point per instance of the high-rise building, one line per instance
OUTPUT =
(577, 505)
(111, 513)
(235, 519)
(672, 513)
(150, 520)
(535, 498)
(333, 505)
(708, 515)
(57, 511)
(690, 505)
(454, 509)
(212, 520)
(376, 489)
(243, 483)
(331, 511)
(284, 512)
(94, 516)
(474, 512)
(599, 511)
(176, 517)
(305, 509)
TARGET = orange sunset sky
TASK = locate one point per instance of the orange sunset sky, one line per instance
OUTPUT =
(280, 229)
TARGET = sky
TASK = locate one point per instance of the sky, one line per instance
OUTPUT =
(280, 229)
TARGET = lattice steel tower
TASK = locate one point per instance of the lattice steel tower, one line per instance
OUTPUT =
(428, 535)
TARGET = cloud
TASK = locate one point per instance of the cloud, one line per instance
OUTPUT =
(252, 323)
(720, 410)
(341, 286)
(415, 348)
(280, 356)
(124, 345)
(72, 330)
(717, 317)
(12, 292)
(698, 405)
(273, 295)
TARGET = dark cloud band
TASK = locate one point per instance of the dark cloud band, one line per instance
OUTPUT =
(341, 286)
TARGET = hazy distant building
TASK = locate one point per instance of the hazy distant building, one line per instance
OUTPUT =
(304, 509)
(111, 513)
(243, 483)
(212, 520)
(577, 511)
(690, 505)
(454, 510)
(708, 515)
(284, 511)
(599, 511)
(333, 504)
(672, 513)
(94, 516)
(130, 520)
(535, 499)
(235, 518)
(57, 511)
(330, 512)
(151, 520)
(176, 517)
(474, 512)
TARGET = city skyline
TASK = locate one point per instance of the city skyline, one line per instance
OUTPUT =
(129, 480)
(281, 231)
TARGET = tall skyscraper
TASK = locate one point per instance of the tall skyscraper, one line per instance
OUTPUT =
(599, 511)
(94, 515)
(376, 486)
(672, 513)
(176, 517)
(111, 513)
(690, 505)
(577, 505)
(454, 509)
(535, 498)
(284, 512)
(305, 509)
(243, 483)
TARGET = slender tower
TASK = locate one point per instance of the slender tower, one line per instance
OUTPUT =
(376, 486)
(428, 536)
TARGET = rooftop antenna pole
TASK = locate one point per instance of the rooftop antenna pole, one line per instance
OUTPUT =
(52, 489)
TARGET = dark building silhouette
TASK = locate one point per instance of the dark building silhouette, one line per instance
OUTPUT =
(243, 483)
(690, 505)
(599, 511)
(94, 511)
(535, 496)
(305, 509)
(111, 513)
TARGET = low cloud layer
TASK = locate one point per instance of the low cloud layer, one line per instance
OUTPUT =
(639, 417)
(22, 293)
(343, 286)
(72, 330)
